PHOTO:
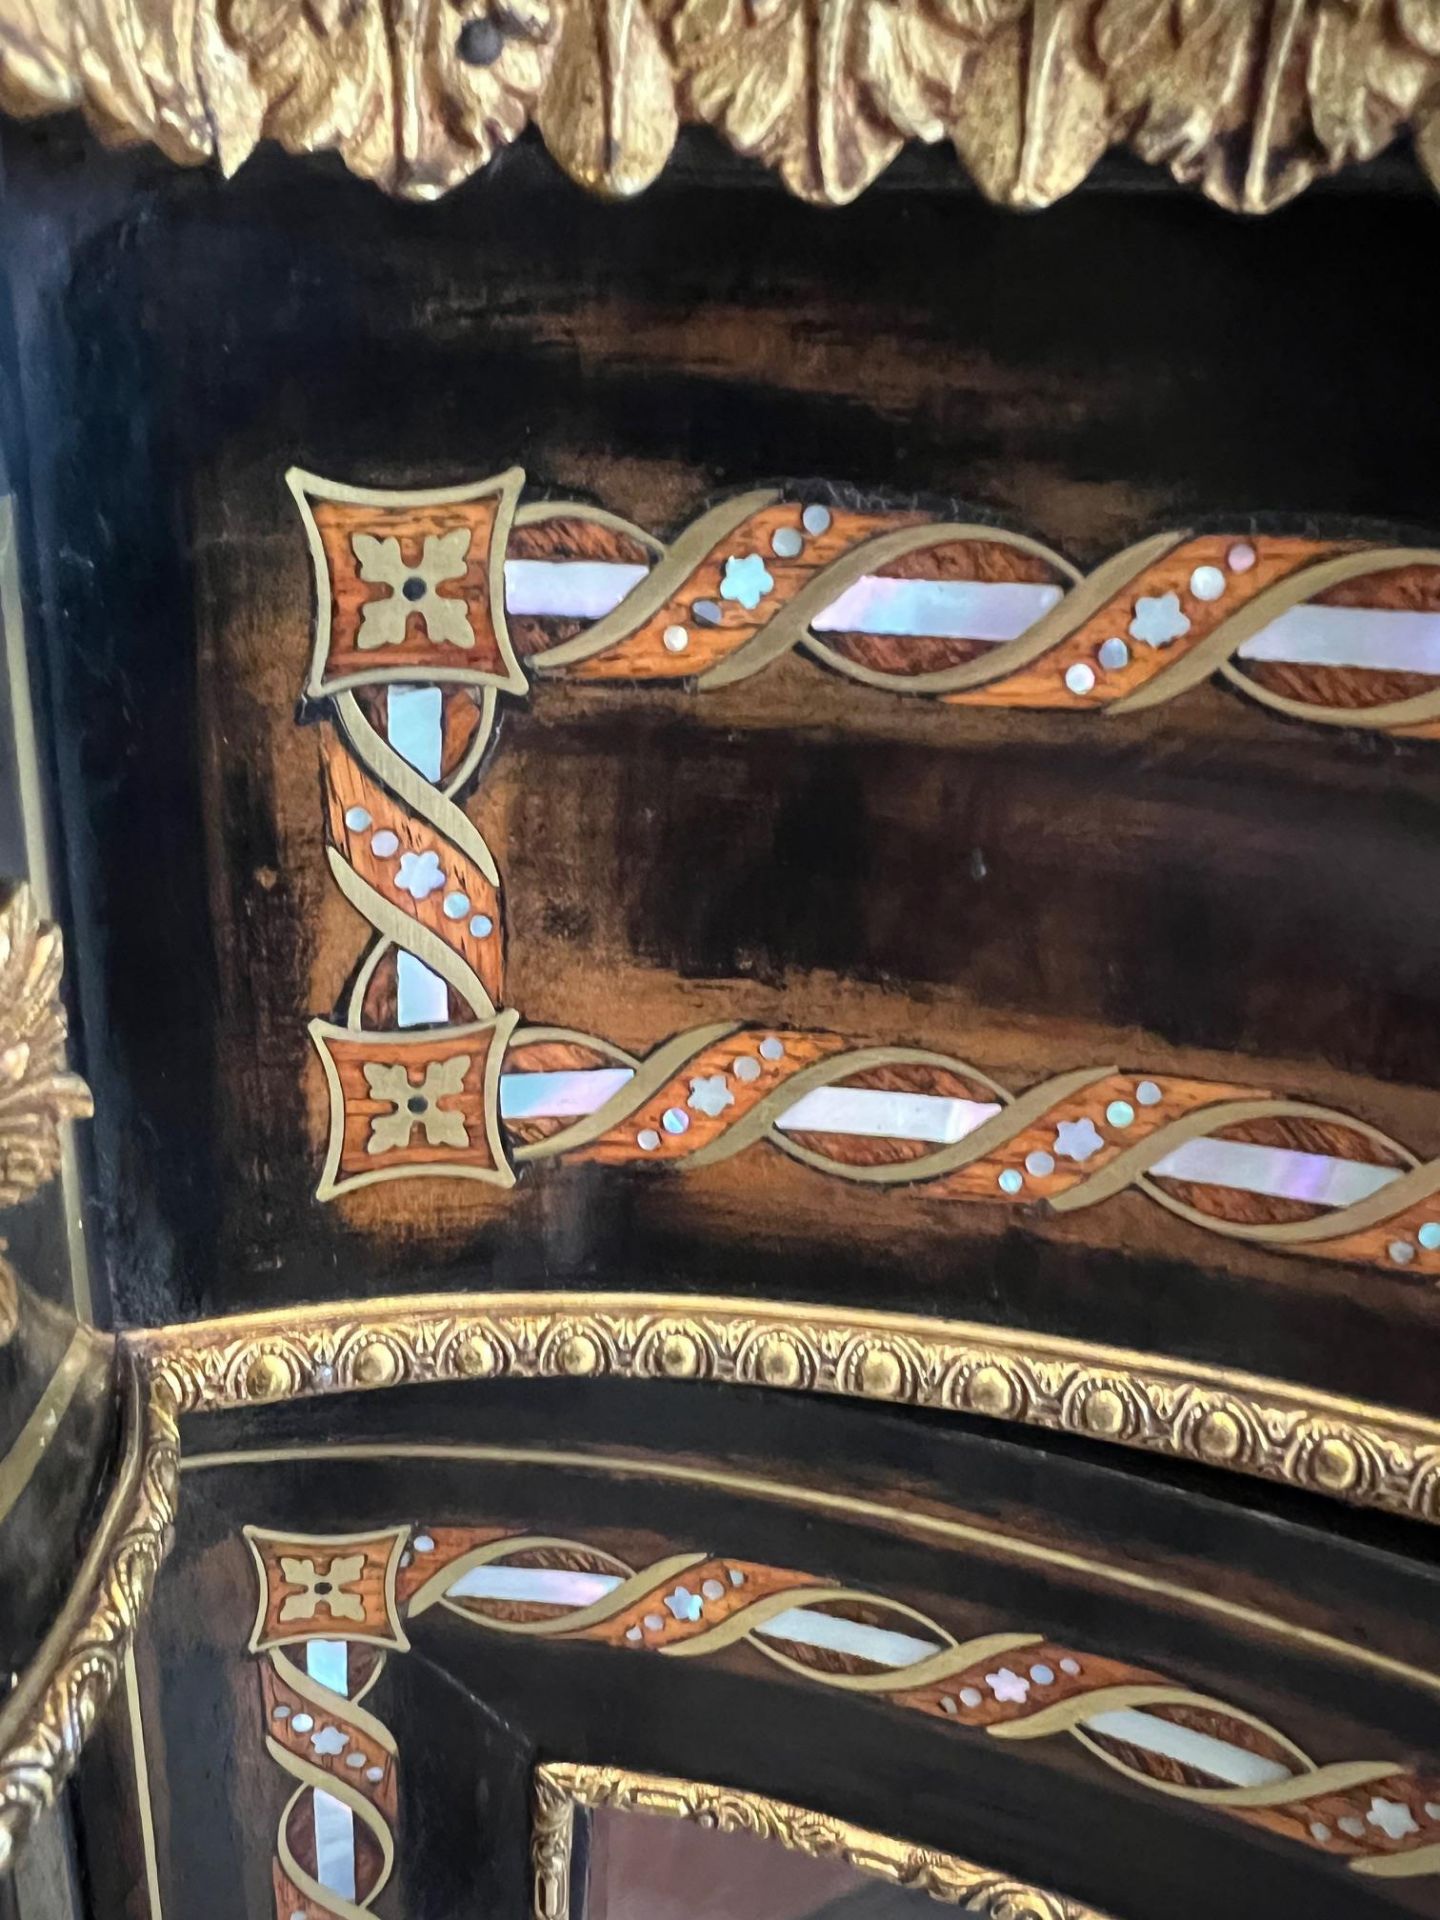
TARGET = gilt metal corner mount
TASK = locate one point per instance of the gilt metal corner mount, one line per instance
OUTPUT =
(1251, 100)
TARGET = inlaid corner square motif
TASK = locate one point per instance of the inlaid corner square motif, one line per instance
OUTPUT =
(431, 607)
(1371, 1814)
(339, 1587)
(404, 1103)
(411, 587)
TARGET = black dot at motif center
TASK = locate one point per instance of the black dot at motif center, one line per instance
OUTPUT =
(417, 1103)
(481, 43)
(414, 588)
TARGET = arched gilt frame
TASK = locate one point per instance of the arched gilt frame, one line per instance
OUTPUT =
(565, 1793)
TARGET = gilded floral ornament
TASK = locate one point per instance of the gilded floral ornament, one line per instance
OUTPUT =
(1249, 99)
(36, 1093)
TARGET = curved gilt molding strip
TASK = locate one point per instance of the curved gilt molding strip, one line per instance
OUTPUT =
(1356, 1451)
(1235, 1160)
(1250, 102)
(46, 1720)
(561, 1787)
(1016, 1686)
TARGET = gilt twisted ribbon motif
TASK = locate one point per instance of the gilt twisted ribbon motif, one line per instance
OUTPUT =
(321, 1654)
(1379, 1816)
(335, 1846)
(427, 603)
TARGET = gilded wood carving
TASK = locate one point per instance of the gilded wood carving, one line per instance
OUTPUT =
(37, 1095)
(561, 1787)
(1249, 99)
(47, 1715)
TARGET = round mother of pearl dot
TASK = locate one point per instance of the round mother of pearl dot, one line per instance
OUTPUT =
(707, 612)
(816, 519)
(1401, 1252)
(675, 639)
(385, 843)
(786, 543)
(357, 819)
(1207, 583)
(1241, 557)
(1148, 1094)
(744, 1068)
(1040, 1163)
(1011, 1180)
(455, 906)
(1080, 678)
(482, 926)
(771, 1048)
(647, 1139)
(1429, 1235)
(1113, 655)
(1120, 1113)
(675, 1120)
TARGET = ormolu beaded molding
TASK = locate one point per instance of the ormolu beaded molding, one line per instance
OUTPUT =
(562, 1787)
(1351, 1450)
(1250, 100)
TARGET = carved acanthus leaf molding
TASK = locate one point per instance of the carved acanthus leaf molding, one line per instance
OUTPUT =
(1249, 99)
(57, 1700)
(37, 1095)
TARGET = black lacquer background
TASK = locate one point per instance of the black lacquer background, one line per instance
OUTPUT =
(472, 1711)
(1121, 362)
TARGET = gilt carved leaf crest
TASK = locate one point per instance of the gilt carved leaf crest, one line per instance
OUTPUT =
(1249, 99)
(36, 1093)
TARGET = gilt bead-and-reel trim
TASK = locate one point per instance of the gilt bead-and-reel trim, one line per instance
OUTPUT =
(427, 604)
(1376, 1815)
